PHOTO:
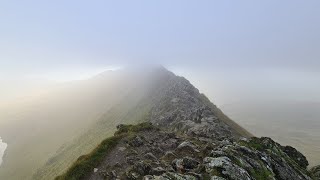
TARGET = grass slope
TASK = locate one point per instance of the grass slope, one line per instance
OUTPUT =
(133, 111)
(85, 164)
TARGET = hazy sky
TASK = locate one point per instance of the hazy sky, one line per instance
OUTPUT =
(38, 37)
(236, 52)
(226, 48)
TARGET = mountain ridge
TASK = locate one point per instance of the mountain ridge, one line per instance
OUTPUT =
(174, 105)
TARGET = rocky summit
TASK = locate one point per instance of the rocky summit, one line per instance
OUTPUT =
(185, 136)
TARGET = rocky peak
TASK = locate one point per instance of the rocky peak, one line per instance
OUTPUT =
(179, 106)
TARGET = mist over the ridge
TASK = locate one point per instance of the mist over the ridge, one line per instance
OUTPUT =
(184, 34)
(65, 64)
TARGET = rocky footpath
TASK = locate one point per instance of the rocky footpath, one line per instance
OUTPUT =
(152, 153)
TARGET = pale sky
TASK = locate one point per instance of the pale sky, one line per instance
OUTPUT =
(220, 41)
(52, 36)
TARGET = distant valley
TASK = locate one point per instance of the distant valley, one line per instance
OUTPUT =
(290, 123)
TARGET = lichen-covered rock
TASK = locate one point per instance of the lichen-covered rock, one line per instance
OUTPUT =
(142, 168)
(150, 156)
(190, 163)
(187, 147)
(296, 156)
(170, 176)
(195, 158)
(185, 164)
(228, 169)
(169, 156)
(150, 177)
(279, 163)
(177, 176)
(315, 171)
(158, 171)
(217, 178)
(136, 141)
(217, 153)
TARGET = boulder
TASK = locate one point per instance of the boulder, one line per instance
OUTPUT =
(150, 156)
(217, 178)
(136, 141)
(315, 171)
(190, 163)
(142, 168)
(296, 156)
(185, 164)
(229, 169)
(169, 155)
(158, 171)
(187, 146)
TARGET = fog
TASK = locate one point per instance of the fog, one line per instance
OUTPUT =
(279, 103)
(40, 123)
(257, 61)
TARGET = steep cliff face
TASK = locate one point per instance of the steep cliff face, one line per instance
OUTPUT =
(185, 137)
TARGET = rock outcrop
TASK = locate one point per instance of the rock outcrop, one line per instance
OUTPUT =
(315, 172)
(179, 106)
(151, 153)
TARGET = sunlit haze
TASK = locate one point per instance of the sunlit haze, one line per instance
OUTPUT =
(66, 66)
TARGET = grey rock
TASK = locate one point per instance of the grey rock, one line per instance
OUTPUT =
(158, 171)
(95, 170)
(178, 176)
(187, 146)
(217, 153)
(122, 148)
(169, 155)
(136, 141)
(142, 168)
(150, 156)
(114, 173)
(190, 163)
(296, 156)
(185, 164)
(150, 177)
(231, 170)
(131, 159)
(217, 178)
(283, 170)
(177, 164)
(315, 171)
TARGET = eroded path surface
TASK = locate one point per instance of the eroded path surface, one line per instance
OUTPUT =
(146, 146)
(157, 154)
